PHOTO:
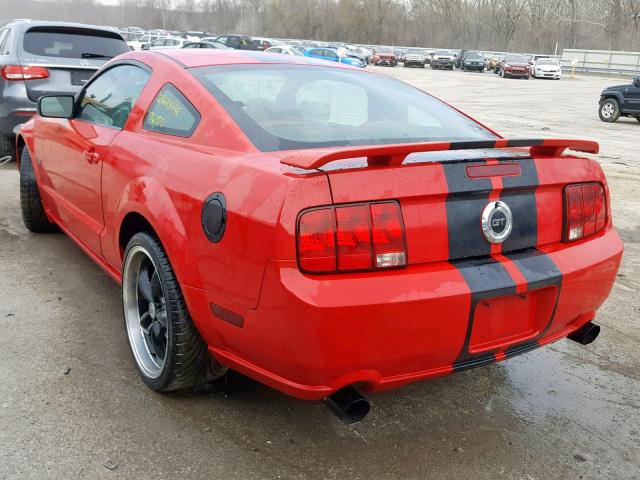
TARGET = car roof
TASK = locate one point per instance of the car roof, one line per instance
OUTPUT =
(194, 58)
(26, 24)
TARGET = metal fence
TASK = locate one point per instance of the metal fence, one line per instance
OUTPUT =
(601, 61)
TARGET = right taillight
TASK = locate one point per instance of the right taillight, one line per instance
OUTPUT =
(347, 238)
(585, 210)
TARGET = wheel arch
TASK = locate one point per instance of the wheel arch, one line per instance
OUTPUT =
(146, 206)
(20, 144)
(612, 95)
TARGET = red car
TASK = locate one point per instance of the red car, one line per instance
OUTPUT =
(384, 56)
(279, 216)
(515, 66)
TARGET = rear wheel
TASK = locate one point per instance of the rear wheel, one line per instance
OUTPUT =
(609, 110)
(33, 214)
(7, 146)
(168, 351)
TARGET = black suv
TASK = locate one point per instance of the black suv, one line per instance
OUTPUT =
(620, 100)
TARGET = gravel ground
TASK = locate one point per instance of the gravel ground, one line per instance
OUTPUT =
(72, 407)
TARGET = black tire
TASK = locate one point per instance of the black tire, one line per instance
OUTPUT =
(638, 118)
(33, 214)
(609, 110)
(188, 363)
(7, 146)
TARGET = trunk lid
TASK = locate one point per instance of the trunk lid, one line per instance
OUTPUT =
(443, 194)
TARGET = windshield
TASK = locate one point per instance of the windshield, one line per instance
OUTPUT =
(444, 53)
(415, 51)
(384, 50)
(73, 43)
(547, 61)
(515, 59)
(285, 107)
(473, 56)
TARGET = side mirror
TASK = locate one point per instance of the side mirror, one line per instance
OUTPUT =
(56, 106)
(636, 81)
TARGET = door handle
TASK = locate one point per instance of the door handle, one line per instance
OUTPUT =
(91, 156)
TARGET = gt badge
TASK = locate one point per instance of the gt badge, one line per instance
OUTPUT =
(497, 222)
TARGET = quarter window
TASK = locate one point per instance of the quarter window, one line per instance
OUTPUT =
(171, 113)
(109, 99)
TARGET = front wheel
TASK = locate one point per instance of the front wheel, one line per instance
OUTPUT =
(609, 110)
(168, 351)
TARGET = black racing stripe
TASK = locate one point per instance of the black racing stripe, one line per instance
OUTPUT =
(486, 278)
(537, 267)
(524, 142)
(540, 271)
(523, 347)
(519, 192)
(467, 145)
(464, 204)
(475, 362)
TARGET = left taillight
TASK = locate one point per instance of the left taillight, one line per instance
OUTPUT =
(23, 72)
(347, 238)
(585, 211)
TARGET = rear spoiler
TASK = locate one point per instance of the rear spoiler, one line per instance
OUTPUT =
(396, 154)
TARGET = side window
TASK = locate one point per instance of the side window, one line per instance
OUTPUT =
(222, 40)
(4, 40)
(108, 100)
(171, 113)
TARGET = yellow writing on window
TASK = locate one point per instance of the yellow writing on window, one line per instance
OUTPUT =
(156, 120)
(169, 103)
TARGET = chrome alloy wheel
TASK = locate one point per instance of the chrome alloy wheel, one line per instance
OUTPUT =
(608, 110)
(145, 312)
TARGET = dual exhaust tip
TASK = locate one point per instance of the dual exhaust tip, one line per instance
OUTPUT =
(351, 407)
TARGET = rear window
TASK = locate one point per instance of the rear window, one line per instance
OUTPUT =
(72, 43)
(285, 107)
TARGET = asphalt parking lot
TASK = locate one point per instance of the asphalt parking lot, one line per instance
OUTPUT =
(72, 406)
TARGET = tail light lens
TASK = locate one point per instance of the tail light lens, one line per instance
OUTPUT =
(20, 72)
(585, 210)
(349, 238)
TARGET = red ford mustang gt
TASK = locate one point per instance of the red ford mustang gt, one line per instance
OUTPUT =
(282, 218)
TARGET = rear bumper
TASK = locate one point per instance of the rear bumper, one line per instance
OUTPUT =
(311, 336)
